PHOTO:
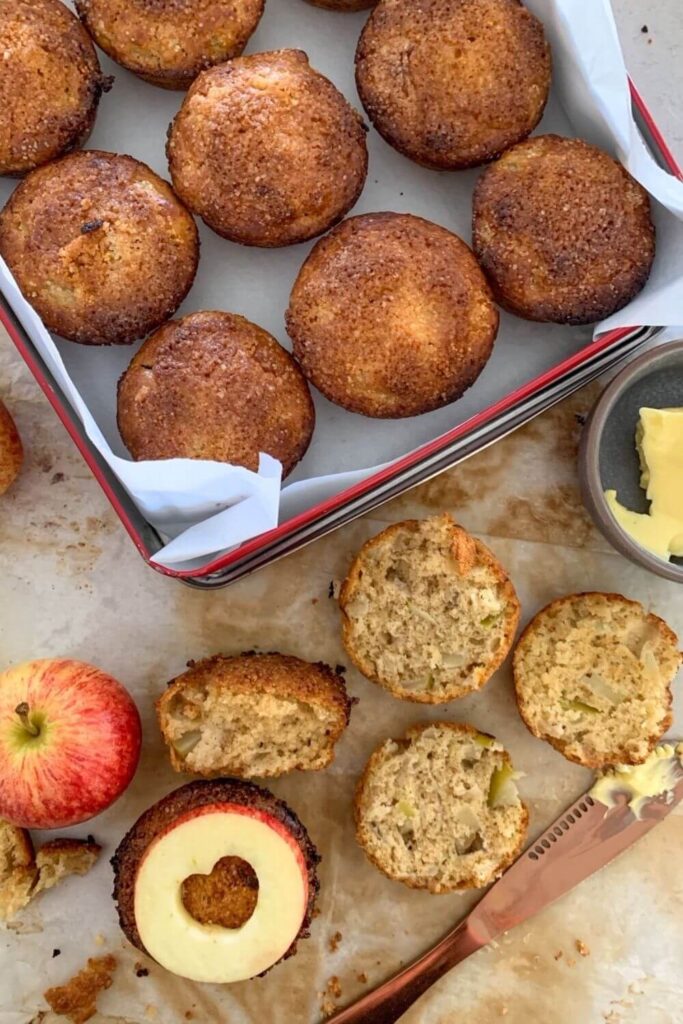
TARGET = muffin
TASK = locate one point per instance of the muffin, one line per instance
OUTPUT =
(205, 848)
(100, 246)
(267, 151)
(11, 450)
(593, 675)
(453, 83)
(50, 84)
(427, 610)
(253, 715)
(215, 386)
(562, 231)
(169, 43)
(439, 808)
(390, 316)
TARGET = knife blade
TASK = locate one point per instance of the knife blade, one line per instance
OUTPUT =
(580, 842)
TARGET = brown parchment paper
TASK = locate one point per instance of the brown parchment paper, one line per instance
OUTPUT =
(72, 584)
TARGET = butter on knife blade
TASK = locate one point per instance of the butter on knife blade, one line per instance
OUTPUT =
(657, 776)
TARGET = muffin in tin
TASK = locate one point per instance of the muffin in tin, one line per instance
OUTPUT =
(453, 83)
(215, 386)
(267, 151)
(168, 44)
(50, 84)
(562, 230)
(391, 316)
(100, 246)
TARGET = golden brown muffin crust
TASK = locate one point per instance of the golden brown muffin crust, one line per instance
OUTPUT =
(50, 83)
(11, 450)
(168, 42)
(376, 759)
(267, 151)
(563, 231)
(390, 316)
(453, 83)
(100, 246)
(215, 386)
(160, 818)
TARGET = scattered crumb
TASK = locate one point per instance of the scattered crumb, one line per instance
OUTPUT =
(504, 1011)
(570, 961)
(77, 999)
(334, 589)
(57, 478)
(558, 955)
(580, 418)
(333, 991)
(314, 600)
(99, 939)
(56, 952)
(334, 942)
(644, 30)
(362, 978)
(340, 669)
(316, 913)
(140, 970)
(582, 948)
(151, 1011)
(189, 1015)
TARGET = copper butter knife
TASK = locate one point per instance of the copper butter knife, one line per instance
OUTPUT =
(610, 817)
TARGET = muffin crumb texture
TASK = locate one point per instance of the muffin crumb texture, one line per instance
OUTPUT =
(593, 675)
(428, 612)
(253, 715)
(439, 809)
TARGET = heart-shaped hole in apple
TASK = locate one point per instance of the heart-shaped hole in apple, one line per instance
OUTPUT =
(227, 897)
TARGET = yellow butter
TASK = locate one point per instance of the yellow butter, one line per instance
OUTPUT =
(657, 776)
(659, 441)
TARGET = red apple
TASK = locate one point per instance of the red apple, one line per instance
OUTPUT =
(69, 742)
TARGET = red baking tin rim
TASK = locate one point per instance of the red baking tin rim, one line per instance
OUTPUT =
(365, 486)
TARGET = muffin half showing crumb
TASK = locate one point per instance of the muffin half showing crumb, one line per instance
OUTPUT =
(253, 715)
(593, 675)
(267, 151)
(453, 83)
(391, 316)
(100, 246)
(428, 611)
(563, 232)
(215, 386)
(50, 83)
(439, 809)
(186, 873)
(169, 43)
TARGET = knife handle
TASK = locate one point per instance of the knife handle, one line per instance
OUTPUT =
(390, 1001)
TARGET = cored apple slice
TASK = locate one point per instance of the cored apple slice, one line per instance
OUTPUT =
(193, 844)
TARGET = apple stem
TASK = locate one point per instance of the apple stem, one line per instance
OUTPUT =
(23, 711)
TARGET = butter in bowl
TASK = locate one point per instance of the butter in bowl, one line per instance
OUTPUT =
(631, 461)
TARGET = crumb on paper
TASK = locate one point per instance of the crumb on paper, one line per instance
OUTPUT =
(314, 600)
(99, 939)
(644, 30)
(77, 999)
(335, 941)
(334, 589)
(151, 1012)
(188, 1015)
(56, 952)
(316, 913)
(558, 955)
(340, 669)
(332, 993)
(570, 961)
(362, 977)
(504, 1011)
(581, 948)
(57, 478)
(140, 970)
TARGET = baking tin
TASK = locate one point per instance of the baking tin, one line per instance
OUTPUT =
(457, 444)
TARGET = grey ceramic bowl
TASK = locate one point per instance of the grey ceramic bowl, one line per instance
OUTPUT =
(608, 458)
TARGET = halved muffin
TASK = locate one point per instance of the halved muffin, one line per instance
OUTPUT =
(593, 675)
(428, 611)
(253, 715)
(439, 809)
